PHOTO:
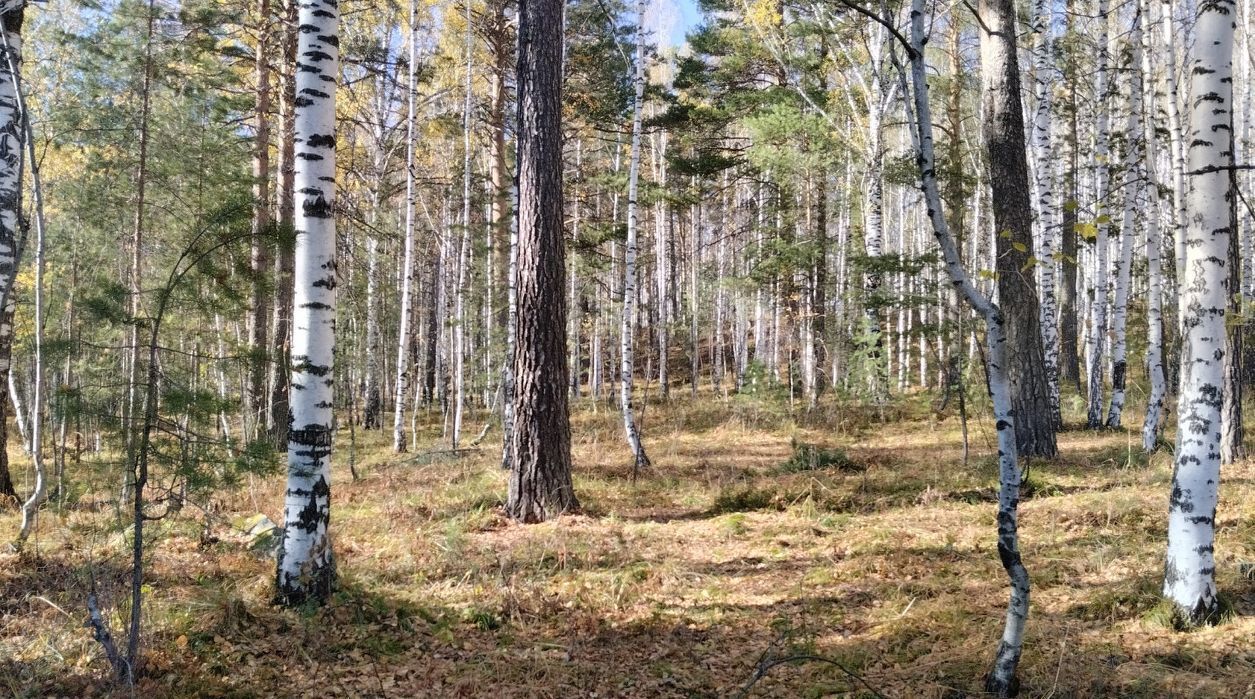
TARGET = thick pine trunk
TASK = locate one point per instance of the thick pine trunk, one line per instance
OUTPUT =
(1013, 219)
(1189, 570)
(540, 443)
(306, 567)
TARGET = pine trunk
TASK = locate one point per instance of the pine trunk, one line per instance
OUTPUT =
(1013, 219)
(540, 442)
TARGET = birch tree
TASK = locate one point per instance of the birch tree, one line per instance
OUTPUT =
(626, 325)
(12, 235)
(306, 567)
(259, 315)
(1135, 170)
(1189, 570)
(1098, 280)
(1043, 193)
(404, 333)
(1154, 272)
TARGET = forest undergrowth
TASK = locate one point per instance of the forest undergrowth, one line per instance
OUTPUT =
(857, 535)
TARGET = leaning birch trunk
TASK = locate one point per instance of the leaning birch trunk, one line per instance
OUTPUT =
(1154, 272)
(1189, 571)
(540, 443)
(404, 333)
(1001, 680)
(629, 254)
(1098, 282)
(31, 507)
(1136, 169)
(306, 567)
(15, 397)
(1043, 191)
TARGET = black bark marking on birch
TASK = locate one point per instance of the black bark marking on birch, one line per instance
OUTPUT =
(316, 512)
(1178, 502)
(318, 208)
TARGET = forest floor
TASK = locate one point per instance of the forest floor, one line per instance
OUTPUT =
(874, 550)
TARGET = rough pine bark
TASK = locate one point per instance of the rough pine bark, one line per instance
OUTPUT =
(306, 567)
(1190, 566)
(540, 443)
(1013, 219)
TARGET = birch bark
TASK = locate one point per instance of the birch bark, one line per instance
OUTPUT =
(1189, 569)
(306, 567)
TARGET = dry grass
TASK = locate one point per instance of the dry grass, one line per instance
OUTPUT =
(670, 587)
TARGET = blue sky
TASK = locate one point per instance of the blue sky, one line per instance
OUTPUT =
(675, 18)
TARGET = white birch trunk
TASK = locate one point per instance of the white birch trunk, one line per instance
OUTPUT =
(404, 332)
(1189, 571)
(626, 327)
(1098, 282)
(1136, 176)
(1177, 145)
(1043, 191)
(306, 568)
(464, 250)
(12, 237)
(1154, 284)
(662, 267)
(30, 508)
